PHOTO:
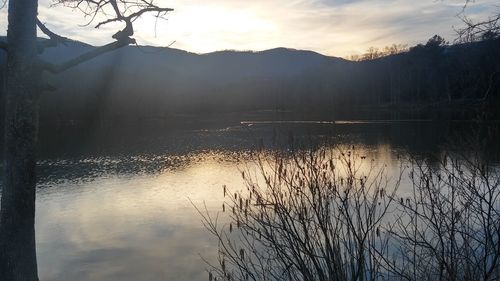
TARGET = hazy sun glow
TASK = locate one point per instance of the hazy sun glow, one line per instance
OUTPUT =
(331, 27)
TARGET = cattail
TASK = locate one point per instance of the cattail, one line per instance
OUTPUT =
(224, 188)
(242, 254)
(223, 207)
(230, 227)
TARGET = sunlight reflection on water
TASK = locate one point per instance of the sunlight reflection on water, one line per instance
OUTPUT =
(132, 219)
(126, 214)
(130, 226)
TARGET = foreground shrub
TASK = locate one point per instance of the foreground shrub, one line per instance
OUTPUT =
(448, 226)
(311, 215)
(334, 215)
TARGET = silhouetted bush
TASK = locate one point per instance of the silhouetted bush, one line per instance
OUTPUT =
(334, 215)
(311, 215)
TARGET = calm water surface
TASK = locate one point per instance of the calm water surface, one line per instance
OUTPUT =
(129, 226)
(122, 209)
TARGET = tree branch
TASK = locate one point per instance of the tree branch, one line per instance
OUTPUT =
(54, 39)
(481, 30)
(124, 11)
(52, 68)
(490, 85)
(52, 35)
(135, 15)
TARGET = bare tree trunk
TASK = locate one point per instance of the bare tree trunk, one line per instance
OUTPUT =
(17, 216)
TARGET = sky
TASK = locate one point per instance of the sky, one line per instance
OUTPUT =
(330, 27)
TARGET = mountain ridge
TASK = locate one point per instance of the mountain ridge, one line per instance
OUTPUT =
(137, 82)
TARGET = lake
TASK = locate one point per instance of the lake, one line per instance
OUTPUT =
(119, 206)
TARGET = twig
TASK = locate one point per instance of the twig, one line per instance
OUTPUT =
(490, 85)
(54, 37)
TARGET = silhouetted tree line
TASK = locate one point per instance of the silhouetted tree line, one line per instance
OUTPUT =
(375, 53)
(432, 80)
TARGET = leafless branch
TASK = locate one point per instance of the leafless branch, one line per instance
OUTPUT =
(86, 56)
(125, 11)
(53, 37)
(478, 30)
(491, 83)
(109, 11)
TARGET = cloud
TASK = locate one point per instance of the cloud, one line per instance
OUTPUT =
(332, 27)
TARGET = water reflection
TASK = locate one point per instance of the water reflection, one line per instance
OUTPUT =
(117, 222)
(119, 208)
(130, 227)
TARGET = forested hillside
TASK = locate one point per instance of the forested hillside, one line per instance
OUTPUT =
(141, 84)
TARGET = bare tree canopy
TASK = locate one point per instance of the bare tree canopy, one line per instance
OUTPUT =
(102, 13)
(478, 30)
(108, 11)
